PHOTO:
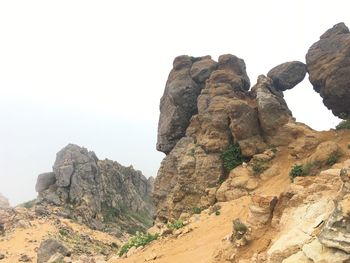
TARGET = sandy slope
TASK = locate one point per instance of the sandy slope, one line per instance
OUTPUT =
(199, 245)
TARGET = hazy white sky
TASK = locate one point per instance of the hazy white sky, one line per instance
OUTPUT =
(92, 72)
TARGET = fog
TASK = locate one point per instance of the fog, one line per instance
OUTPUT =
(92, 72)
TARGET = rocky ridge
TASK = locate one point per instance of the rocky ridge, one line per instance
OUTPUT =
(100, 193)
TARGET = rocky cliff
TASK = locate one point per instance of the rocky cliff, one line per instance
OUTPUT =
(100, 193)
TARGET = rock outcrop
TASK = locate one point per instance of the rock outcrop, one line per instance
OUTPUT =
(336, 233)
(328, 64)
(178, 103)
(4, 203)
(100, 193)
(228, 113)
(287, 75)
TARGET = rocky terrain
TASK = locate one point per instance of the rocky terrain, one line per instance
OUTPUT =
(241, 182)
(100, 193)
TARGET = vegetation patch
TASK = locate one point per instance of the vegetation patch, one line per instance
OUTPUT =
(232, 157)
(343, 125)
(197, 210)
(332, 159)
(176, 225)
(28, 204)
(308, 169)
(84, 244)
(239, 228)
(140, 239)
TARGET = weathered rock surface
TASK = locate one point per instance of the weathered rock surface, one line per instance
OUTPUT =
(336, 233)
(44, 181)
(227, 113)
(49, 248)
(102, 194)
(179, 101)
(261, 210)
(4, 203)
(287, 75)
(328, 64)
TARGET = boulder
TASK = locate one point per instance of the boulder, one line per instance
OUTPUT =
(49, 248)
(44, 181)
(328, 64)
(287, 75)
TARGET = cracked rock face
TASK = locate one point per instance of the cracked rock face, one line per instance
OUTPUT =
(101, 194)
(328, 64)
(178, 103)
(336, 233)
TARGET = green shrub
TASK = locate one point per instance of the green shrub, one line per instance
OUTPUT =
(239, 228)
(217, 213)
(297, 170)
(197, 210)
(332, 159)
(349, 146)
(176, 225)
(140, 239)
(343, 125)
(232, 157)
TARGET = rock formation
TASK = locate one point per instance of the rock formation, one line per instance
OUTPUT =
(328, 64)
(100, 193)
(287, 75)
(179, 101)
(227, 113)
(4, 203)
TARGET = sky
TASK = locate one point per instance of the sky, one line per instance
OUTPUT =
(92, 72)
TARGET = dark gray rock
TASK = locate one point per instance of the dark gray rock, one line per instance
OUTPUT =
(201, 70)
(287, 75)
(98, 193)
(328, 64)
(44, 181)
(50, 247)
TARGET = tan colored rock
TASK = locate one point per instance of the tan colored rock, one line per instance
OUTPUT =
(298, 257)
(321, 254)
(323, 152)
(261, 210)
(336, 232)
(239, 182)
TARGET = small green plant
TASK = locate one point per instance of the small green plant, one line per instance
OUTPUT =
(191, 152)
(232, 157)
(140, 239)
(332, 159)
(343, 125)
(197, 210)
(176, 225)
(239, 228)
(297, 170)
(217, 213)
(349, 146)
